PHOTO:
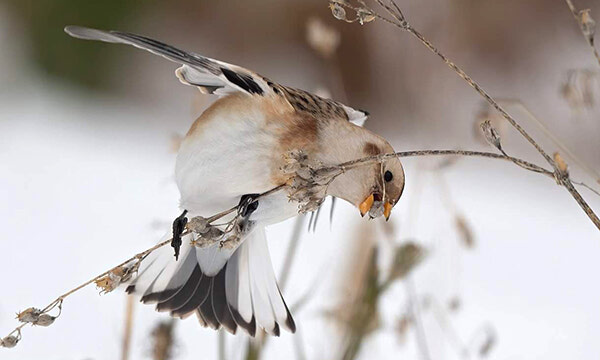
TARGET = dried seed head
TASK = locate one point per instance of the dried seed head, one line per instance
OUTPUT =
(116, 277)
(491, 135)
(308, 180)
(365, 16)
(337, 10)
(588, 25)
(45, 320)
(323, 39)
(464, 230)
(561, 171)
(30, 315)
(198, 224)
(406, 258)
(9, 341)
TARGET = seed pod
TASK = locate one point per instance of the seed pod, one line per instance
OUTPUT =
(9, 341)
(588, 25)
(337, 10)
(491, 135)
(109, 282)
(561, 165)
(29, 315)
(45, 320)
(198, 224)
(365, 16)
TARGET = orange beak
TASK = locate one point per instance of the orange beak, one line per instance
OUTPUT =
(387, 210)
(365, 206)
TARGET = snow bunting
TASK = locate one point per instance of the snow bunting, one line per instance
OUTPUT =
(232, 152)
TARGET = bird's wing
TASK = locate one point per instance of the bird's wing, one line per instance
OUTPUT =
(220, 78)
(321, 108)
(209, 75)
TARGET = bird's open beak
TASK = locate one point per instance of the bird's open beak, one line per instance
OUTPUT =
(365, 206)
(387, 210)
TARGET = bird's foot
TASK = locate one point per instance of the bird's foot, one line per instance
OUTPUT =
(248, 204)
(178, 227)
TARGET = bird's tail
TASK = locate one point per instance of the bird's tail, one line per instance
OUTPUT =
(229, 288)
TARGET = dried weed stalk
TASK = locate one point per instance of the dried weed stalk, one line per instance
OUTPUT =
(400, 21)
(307, 186)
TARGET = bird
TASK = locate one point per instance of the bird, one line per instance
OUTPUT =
(234, 151)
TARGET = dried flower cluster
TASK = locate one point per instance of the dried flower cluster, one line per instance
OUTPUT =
(308, 180)
(363, 13)
(35, 317)
(117, 276)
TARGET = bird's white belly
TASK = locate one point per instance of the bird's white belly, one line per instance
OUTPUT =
(225, 159)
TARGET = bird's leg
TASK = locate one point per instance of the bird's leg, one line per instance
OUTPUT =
(178, 228)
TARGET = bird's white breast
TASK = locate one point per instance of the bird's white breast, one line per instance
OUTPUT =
(226, 154)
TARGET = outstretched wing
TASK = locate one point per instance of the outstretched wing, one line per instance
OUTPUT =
(209, 75)
(220, 78)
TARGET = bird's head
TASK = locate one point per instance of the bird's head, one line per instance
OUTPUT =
(373, 188)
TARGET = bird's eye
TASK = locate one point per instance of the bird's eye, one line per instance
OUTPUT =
(388, 176)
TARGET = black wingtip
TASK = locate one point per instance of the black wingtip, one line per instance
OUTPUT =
(276, 330)
(250, 327)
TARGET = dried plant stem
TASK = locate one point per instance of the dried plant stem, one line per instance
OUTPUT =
(591, 172)
(336, 171)
(126, 344)
(577, 16)
(401, 22)
(415, 310)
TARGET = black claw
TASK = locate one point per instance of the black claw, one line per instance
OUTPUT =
(178, 228)
(248, 204)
